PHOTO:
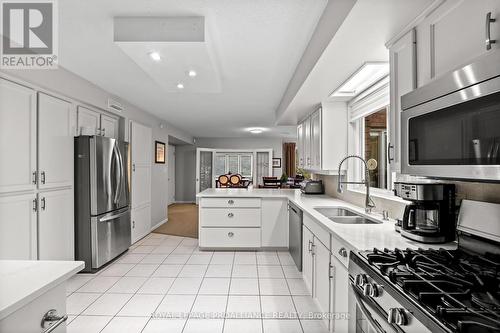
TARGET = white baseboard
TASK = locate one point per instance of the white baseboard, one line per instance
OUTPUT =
(185, 202)
(159, 224)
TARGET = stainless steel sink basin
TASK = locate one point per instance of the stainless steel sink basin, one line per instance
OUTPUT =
(335, 211)
(344, 216)
(353, 220)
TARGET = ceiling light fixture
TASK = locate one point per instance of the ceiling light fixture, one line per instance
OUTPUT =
(192, 73)
(180, 85)
(155, 56)
(368, 74)
(256, 130)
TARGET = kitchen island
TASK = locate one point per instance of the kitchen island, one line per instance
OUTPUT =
(356, 237)
(29, 289)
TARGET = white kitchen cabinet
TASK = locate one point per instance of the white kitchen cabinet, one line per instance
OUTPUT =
(141, 148)
(307, 143)
(300, 144)
(453, 35)
(141, 222)
(55, 225)
(56, 128)
(307, 258)
(322, 278)
(28, 318)
(403, 79)
(89, 121)
(18, 230)
(109, 126)
(339, 296)
(274, 222)
(322, 138)
(316, 140)
(17, 137)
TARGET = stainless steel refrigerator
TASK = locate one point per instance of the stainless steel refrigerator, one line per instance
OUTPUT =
(102, 200)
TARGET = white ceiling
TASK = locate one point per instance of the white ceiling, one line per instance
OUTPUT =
(361, 38)
(255, 47)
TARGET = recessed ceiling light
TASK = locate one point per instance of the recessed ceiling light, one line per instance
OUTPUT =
(192, 73)
(256, 130)
(180, 86)
(368, 74)
(155, 56)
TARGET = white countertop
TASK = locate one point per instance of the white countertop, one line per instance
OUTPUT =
(358, 237)
(21, 281)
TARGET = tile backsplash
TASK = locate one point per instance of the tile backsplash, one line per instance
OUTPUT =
(489, 192)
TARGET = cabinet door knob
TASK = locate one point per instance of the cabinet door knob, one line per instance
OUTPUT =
(343, 252)
(33, 177)
(231, 201)
(42, 206)
(51, 316)
(390, 158)
(230, 215)
(42, 177)
(489, 41)
(230, 234)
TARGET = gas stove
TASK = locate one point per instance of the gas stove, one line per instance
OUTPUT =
(437, 290)
(459, 289)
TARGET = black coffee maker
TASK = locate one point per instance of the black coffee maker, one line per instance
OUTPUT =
(431, 217)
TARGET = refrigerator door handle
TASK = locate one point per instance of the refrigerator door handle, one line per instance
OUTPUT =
(113, 217)
(120, 166)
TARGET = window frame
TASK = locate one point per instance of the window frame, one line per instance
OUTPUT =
(227, 155)
(370, 101)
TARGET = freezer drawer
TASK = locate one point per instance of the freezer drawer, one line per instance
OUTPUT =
(111, 235)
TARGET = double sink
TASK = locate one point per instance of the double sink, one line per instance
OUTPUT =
(344, 216)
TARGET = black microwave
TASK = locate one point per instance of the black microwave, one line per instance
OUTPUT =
(450, 128)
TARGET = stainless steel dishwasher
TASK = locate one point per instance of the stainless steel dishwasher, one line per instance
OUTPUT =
(295, 234)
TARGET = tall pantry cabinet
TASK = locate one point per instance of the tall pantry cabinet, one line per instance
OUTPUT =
(36, 174)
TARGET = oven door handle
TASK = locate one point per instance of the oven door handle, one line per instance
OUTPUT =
(366, 313)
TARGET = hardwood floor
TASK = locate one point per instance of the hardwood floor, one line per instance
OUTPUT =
(182, 221)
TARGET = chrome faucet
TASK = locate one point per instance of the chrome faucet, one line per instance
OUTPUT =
(369, 204)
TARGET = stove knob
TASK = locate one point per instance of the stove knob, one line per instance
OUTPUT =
(367, 289)
(360, 280)
(374, 290)
(397, 316)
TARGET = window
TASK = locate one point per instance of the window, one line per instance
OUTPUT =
(375, 142)
(368, 135)
(240, 163)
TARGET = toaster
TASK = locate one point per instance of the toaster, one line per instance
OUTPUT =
(312, 187)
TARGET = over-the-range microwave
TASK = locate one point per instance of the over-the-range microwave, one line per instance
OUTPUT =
(450, 128)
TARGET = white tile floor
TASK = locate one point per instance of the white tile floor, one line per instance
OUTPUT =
(166, 284)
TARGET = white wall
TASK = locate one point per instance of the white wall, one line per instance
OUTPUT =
(185, 173)
(73, 86)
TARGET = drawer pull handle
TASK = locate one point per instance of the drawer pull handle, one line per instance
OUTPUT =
(343, 252)
(230, 215)
(230, 202)
(51, 316)
(230, 234)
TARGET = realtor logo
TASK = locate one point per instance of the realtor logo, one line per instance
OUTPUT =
(29, 38)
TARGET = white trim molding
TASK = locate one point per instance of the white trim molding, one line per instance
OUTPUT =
(159, 224)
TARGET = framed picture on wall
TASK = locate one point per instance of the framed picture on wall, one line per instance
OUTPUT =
(159, 152)
(276, 162)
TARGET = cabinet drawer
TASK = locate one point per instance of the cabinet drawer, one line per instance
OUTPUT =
(230, 237)
(230, 217)
(317, 230)
(27, 319)
(340, 251)
(230, 202)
